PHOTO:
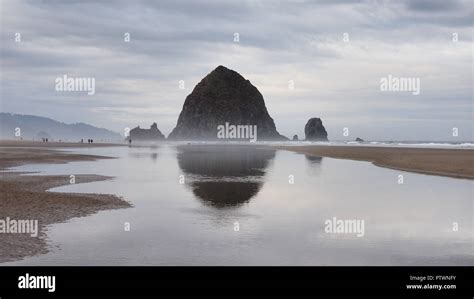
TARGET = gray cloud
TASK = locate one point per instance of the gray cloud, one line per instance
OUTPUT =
(433, 5)
(137, 82)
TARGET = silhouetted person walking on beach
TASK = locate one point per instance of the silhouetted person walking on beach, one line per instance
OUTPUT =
(130, 142)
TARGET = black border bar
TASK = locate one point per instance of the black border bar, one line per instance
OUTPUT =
(245, 282)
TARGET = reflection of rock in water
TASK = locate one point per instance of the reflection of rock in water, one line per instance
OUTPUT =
(153, 156)
(224, 175)
(314, 165)
(313, 159)
(225, 194)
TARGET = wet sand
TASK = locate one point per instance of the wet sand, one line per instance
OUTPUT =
(52, 144)
(457, 163)
(24, 197)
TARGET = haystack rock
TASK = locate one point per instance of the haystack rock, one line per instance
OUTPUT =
(315, 131)
(152, 134)
(295, 138)
(223, 97)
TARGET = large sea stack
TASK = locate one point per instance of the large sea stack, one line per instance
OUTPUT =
(223, 96)
(315, 131)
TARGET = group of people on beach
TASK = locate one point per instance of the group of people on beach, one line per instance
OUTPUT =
(88, 140)
(45, 139)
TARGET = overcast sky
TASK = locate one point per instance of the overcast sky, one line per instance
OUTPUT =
(137, 82)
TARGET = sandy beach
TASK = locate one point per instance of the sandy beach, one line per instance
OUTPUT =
(25, 197)
(51, 144)
(457, 163)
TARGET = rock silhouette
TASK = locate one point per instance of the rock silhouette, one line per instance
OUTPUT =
(315, 131)
(223, 96)
(359, 139)
(152, 134)
(295, 138)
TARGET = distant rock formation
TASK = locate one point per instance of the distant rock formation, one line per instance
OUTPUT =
(223, 96)
(152, 134)
(295, 138)
(34, 127)
(359, 139)
(315, 131)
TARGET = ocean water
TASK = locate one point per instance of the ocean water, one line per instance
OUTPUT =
(408, 144)
(279, 201)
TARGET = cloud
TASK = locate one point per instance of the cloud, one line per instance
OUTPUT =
(433, 5)
(137, 82)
